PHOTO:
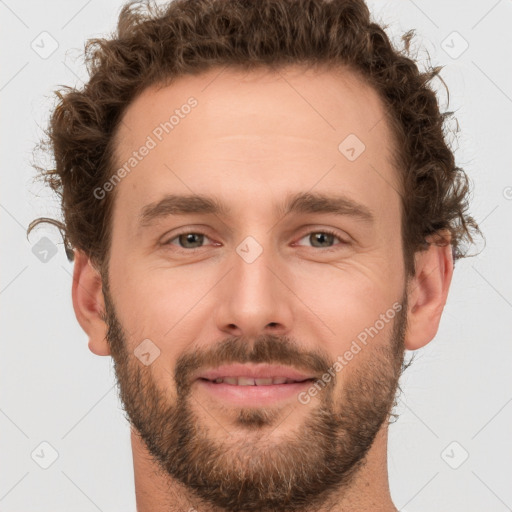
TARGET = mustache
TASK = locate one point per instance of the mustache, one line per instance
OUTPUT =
(269, 349)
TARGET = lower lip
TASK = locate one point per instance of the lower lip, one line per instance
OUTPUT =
(255, 396)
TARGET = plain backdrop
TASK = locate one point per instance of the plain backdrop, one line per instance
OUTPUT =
(450, 450)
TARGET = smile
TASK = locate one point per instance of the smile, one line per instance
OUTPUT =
(249, 381)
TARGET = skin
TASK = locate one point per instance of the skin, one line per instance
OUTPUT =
(254, 138)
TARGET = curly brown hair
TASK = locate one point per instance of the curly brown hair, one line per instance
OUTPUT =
(157, 44)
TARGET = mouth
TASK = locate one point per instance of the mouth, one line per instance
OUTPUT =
(254, 374)
(249, 381)
(253, 385)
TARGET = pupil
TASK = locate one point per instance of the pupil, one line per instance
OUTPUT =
(322, 236)
(189, 238)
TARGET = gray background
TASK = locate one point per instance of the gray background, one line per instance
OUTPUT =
(456, 400)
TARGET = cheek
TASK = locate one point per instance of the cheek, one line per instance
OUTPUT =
(160, 304)
(348, 300)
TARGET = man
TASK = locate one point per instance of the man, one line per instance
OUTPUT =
(264, 214)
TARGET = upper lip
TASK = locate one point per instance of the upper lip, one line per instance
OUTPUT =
(253, 371)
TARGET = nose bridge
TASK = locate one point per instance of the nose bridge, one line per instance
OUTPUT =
(253, 296)
(252, 265)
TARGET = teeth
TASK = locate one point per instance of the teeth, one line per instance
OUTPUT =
(245, 381)
(263, 382)
(249, 381)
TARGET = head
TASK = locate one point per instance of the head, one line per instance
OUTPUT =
(254, 132)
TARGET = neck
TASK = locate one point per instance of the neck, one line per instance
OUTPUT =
(156, 491)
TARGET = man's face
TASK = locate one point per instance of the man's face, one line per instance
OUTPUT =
(254, 286)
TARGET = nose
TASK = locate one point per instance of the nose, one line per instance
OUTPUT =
(254, 298)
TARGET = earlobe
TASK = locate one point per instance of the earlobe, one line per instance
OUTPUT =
(88, 303)
(427, 293)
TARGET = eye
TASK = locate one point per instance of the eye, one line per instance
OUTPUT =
(191, 240)
(188, 240)
(323, 239)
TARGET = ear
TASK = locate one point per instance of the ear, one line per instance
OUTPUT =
(428, 290)
(88, 303)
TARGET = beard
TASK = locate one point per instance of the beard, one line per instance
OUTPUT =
(246, 469)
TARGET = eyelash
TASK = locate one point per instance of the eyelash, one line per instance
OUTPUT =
(322, 231)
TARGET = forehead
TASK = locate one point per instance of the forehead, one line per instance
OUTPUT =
(305, 102)
(261, 130)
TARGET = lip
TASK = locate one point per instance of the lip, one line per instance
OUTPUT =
(254, 396)
(259, 371)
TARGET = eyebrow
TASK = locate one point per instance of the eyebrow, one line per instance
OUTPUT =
(300, 203)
